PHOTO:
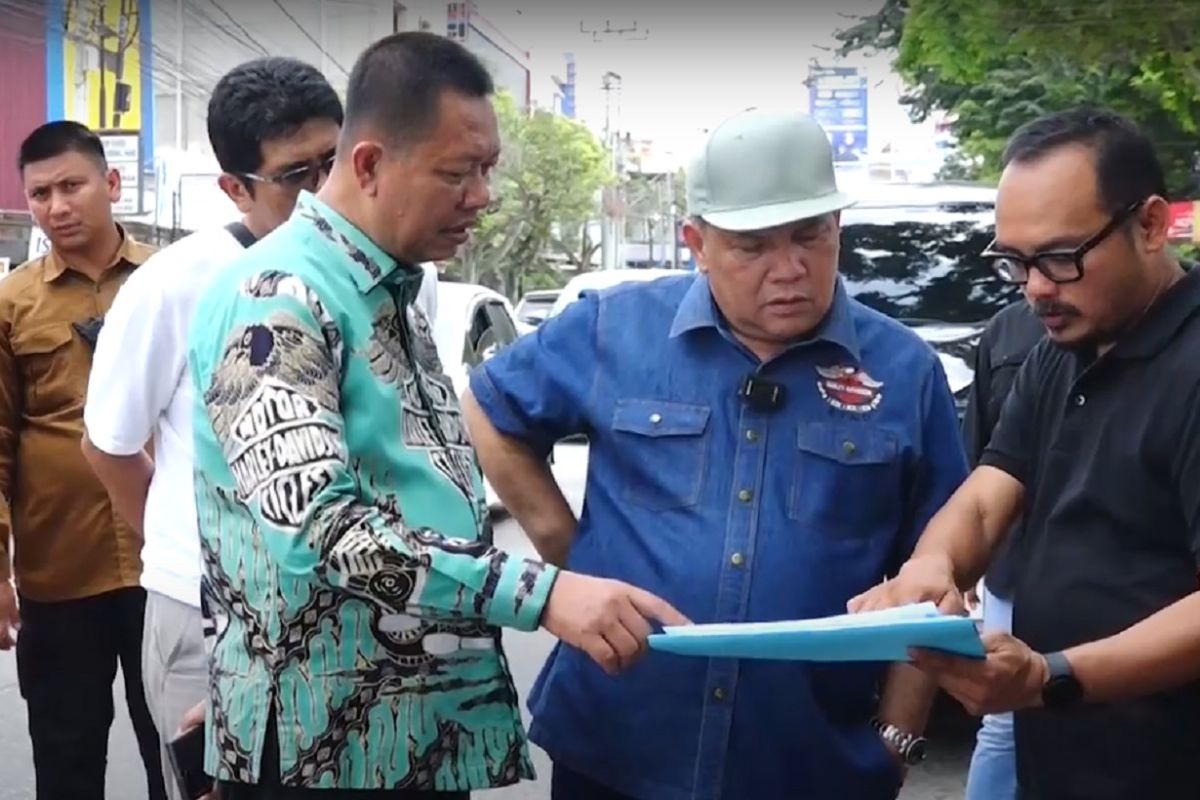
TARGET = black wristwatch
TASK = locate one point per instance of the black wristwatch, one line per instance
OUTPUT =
(911, 748)
(1062, 689)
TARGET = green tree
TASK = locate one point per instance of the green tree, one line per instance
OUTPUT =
(544, 189)
(994, 64)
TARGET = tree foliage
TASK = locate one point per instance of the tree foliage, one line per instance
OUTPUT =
(544, 190)
(994, 64)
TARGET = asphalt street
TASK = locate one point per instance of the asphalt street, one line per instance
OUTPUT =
(941, 778)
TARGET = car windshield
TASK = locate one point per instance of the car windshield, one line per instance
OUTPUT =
(922, 271)
(537, 307)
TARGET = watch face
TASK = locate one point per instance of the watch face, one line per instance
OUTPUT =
(1061, 691)
(916, 752)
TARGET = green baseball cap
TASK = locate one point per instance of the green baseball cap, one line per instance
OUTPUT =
(763, 168)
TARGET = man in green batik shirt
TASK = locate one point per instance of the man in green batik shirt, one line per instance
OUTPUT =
(357, 595)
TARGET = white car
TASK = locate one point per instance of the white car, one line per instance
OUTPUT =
(604, 278)
(472, 323)
(535, 306)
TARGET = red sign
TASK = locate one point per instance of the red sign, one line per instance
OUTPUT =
(1183, 222)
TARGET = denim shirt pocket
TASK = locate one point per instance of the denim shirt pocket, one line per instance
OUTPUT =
(663, 450)
(847, 479)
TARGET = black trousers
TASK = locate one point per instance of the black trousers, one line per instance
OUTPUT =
(269, 787)
(566, 784)
(67, 656)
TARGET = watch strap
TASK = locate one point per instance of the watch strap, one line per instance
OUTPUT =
(909, 746)
(1062, 688)
(1058, 665)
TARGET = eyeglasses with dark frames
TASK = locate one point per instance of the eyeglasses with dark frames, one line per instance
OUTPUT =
(305, 176)
(1063, 265)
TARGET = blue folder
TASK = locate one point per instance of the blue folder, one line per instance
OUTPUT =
(871, 636)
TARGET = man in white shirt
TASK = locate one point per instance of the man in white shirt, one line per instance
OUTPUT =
(273, 124)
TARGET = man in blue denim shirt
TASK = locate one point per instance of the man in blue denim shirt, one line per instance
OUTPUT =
(775, 498)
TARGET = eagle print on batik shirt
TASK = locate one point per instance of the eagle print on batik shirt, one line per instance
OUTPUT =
(348, 560)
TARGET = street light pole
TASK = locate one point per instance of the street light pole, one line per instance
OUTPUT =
(674, 219)
(179, 140)
(610, 245)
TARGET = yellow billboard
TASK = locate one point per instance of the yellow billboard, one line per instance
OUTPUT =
(102, 71)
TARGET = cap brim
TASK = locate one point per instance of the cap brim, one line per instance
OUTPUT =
(770, 216)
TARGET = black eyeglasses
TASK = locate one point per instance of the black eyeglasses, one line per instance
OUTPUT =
(305, 176)
(1059, 266)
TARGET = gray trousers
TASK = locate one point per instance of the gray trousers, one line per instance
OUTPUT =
(174, 669)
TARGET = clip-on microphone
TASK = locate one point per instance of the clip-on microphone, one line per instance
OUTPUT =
(761, 394)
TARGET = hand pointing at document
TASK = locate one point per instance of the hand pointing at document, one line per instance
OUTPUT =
(928, 578)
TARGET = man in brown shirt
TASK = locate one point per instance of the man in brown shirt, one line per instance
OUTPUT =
(76, 564)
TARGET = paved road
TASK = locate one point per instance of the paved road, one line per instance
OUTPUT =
(939, 779)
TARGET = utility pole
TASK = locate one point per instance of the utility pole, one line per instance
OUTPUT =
(674, 220)
(612, 210)
(178, 75)
(610, 228)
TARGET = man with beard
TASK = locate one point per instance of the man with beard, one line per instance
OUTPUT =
(1099, 447)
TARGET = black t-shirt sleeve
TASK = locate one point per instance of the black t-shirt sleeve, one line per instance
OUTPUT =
(1011, 448)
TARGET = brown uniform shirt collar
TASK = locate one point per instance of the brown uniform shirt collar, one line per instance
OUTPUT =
(131, 252)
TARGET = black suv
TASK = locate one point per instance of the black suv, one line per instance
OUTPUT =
(912, 251)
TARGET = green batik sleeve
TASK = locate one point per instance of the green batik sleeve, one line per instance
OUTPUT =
(274, 401)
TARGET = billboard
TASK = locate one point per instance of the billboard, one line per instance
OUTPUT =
(98, 72)
(837, 99)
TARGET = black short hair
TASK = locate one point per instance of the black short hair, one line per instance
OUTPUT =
(1127, 166)
(264, 99)
(397, 83)
(55, 138)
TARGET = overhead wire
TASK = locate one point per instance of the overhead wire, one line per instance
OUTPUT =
(309, 36)
(249, 36)
(162, 61)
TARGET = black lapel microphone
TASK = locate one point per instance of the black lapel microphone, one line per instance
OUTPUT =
(761, 394)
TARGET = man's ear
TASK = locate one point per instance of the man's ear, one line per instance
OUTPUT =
(693, 237)
(113, 179)
(236, 190)
(366, 160)
(1154, 224)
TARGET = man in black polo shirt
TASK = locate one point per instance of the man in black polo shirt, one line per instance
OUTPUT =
(1099, 447)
